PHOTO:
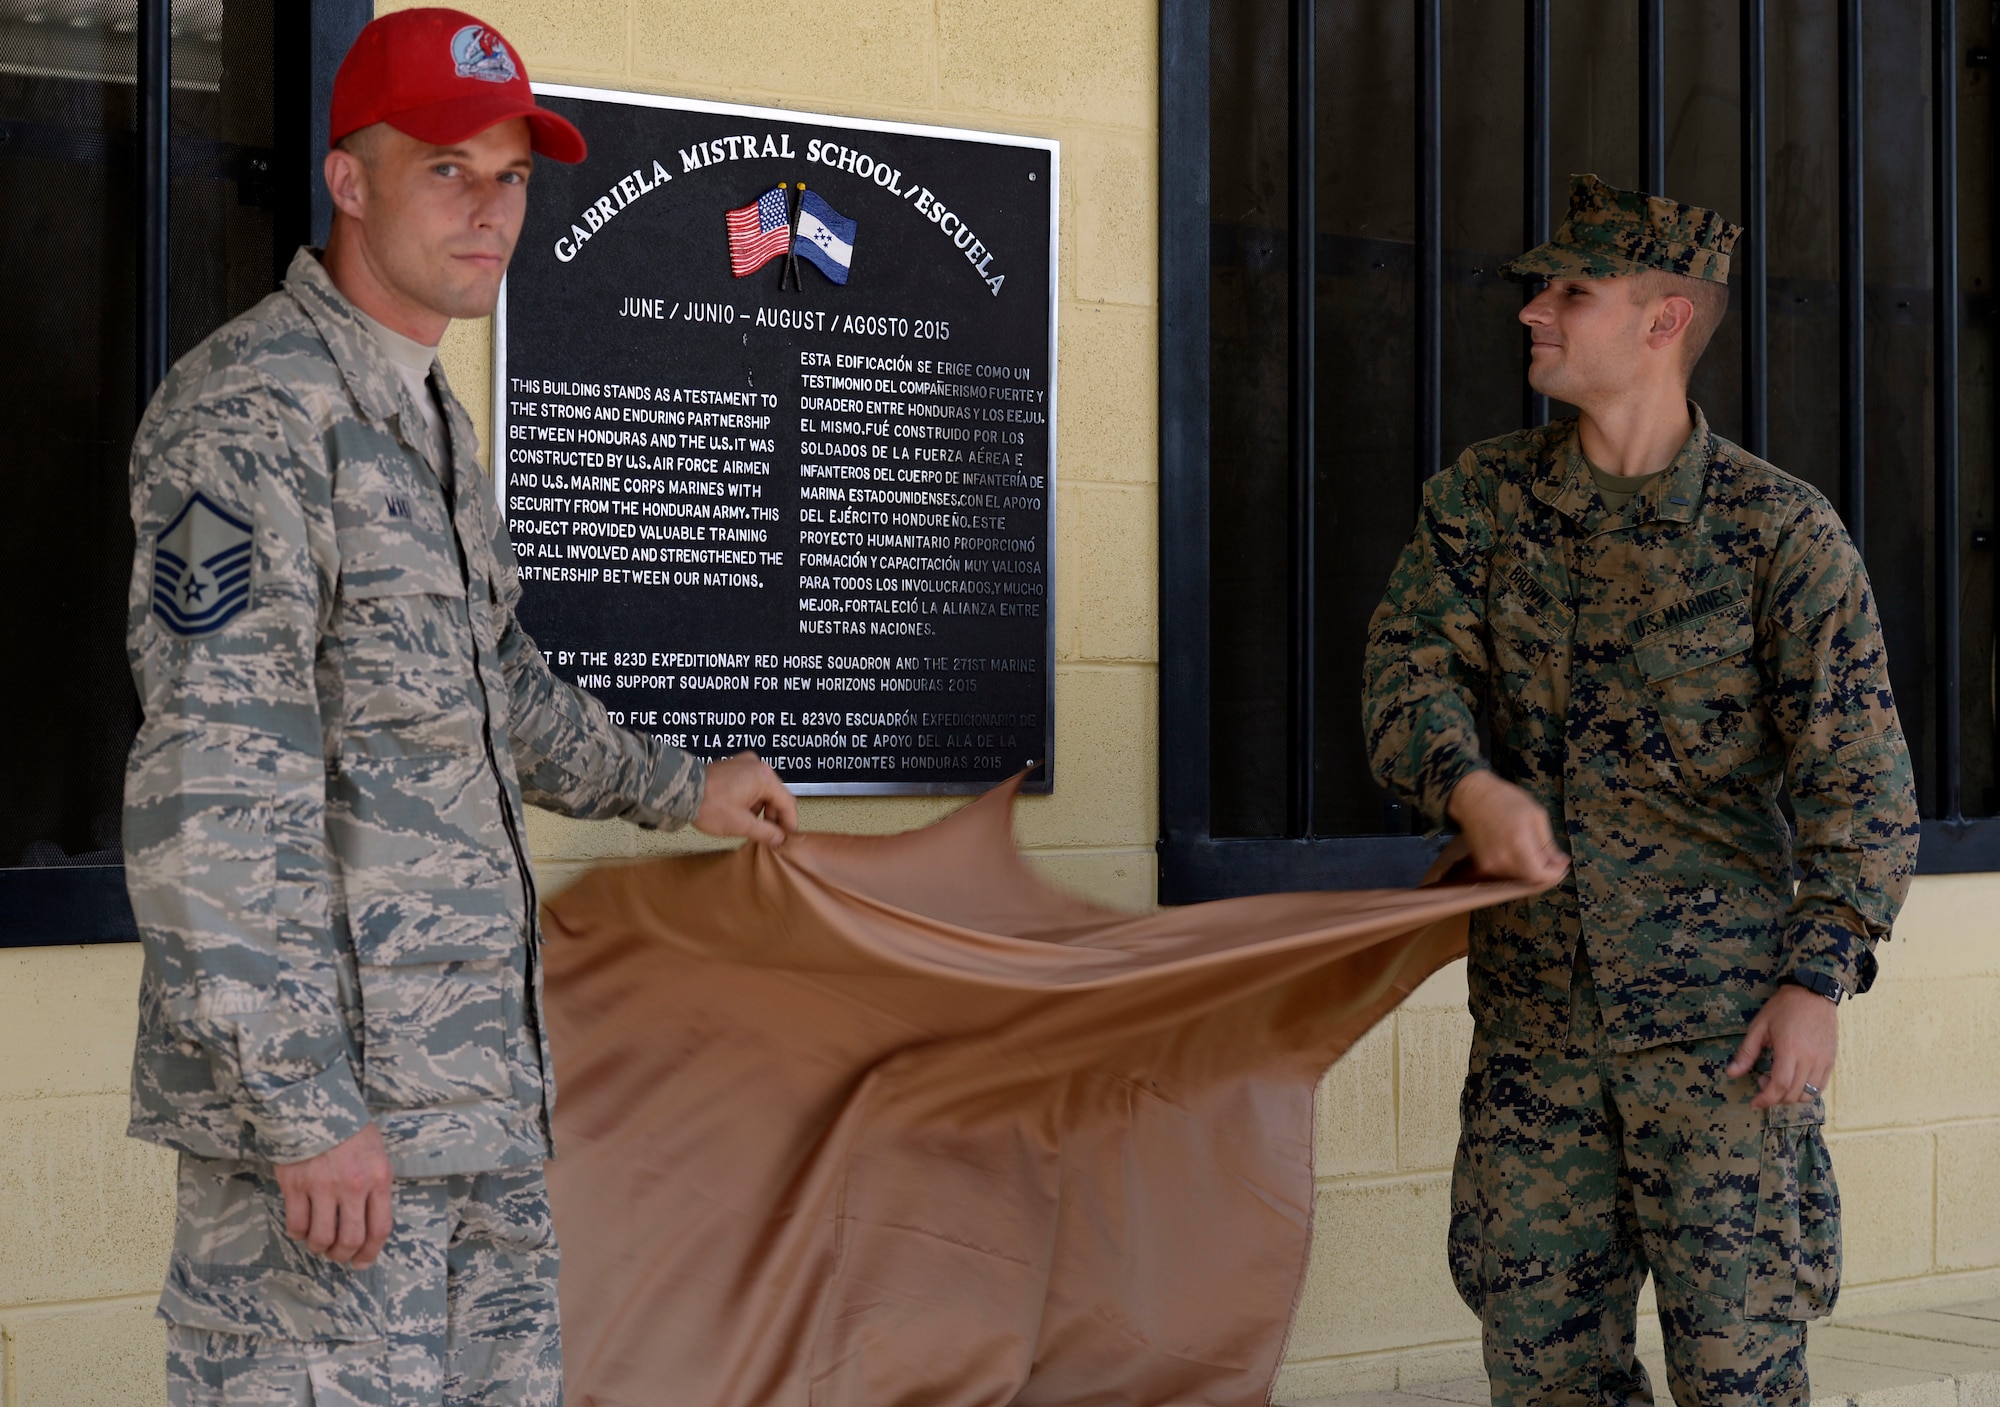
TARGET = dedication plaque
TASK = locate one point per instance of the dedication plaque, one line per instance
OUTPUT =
(775, 404)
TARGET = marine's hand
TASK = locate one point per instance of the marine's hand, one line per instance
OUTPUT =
(1507, 830)
(744, 797)
(340, 1202)
(1802, 1029)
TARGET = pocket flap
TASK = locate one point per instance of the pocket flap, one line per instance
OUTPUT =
(1809, 1112)
(1709, 639)
(234, 1270)
(393, 536)
(396, 560)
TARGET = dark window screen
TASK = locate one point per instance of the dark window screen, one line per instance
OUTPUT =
(1364, 393)
(69, 381)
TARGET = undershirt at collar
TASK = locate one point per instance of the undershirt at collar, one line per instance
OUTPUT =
(412, 360)
(1620, 489)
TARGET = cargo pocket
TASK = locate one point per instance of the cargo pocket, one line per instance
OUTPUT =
(234, 1270)
(1530, 627)
(1794, 1261)
(1500, 1257)
(1463, 1242)
(402, 632)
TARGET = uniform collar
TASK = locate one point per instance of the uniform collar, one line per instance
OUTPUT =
(370, 375)
(406, 354)
(1565, 483)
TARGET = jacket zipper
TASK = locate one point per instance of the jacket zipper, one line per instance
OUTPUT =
(493, 758)
(528, 891)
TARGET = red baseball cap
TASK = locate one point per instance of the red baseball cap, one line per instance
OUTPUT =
(440, 76)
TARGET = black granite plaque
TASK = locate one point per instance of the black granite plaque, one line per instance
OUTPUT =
(804, 507)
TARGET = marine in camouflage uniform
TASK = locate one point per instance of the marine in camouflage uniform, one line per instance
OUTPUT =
(1656, 674)
(323, 846)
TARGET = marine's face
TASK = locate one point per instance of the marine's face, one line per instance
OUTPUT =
(1586, 339)
(439, 223)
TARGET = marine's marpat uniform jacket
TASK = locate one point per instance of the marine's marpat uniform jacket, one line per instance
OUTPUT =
(323, 807)
(1656, 676)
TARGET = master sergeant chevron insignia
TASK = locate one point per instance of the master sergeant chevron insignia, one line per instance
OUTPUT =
(201, 568)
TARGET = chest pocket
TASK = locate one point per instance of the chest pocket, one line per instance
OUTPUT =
(1530, 629)
(1702, 678)
(403, 628)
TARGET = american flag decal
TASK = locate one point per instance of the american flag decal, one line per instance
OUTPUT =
(758, 232)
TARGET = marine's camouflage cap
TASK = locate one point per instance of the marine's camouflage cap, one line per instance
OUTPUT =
(1610, 232)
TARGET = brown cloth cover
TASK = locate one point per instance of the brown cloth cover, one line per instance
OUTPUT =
(890, 1122)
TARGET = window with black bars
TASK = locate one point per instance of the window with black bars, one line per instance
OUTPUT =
(159, 162)
(1341, 180)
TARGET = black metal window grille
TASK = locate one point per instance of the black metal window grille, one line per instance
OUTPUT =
(159, 162)
(1274, 545)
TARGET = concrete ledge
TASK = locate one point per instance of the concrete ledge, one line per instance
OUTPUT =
(1926, 1358)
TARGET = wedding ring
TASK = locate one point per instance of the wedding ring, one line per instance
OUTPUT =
(1812, 1089)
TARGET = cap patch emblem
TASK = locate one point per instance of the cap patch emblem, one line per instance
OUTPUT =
(479, 52)
(201, 568)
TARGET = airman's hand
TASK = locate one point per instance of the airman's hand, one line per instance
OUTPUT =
(340, 1202)
(743, 796)
(1506, 829)
(1802, 1029)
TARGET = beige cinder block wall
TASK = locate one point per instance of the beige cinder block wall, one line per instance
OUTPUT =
(85, 1214)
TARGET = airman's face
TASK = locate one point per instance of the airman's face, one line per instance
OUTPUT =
(1586, 338)
(439, 222)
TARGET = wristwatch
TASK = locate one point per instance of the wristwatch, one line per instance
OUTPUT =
(1826, 986)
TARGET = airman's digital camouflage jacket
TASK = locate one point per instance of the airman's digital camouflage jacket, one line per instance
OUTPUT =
(323, 807)
(1655, 676)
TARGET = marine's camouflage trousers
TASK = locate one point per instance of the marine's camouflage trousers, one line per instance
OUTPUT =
(1581, 1170)
(460, 1308)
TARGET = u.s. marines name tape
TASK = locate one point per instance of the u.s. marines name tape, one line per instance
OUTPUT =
(775, 402)
(1699, 606)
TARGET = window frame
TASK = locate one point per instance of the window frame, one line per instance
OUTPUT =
(1196, 865)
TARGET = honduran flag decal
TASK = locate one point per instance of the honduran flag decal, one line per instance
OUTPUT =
(825, 238)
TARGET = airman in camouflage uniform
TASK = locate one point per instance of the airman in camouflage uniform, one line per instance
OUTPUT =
(1656, 673)
(324, 850)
